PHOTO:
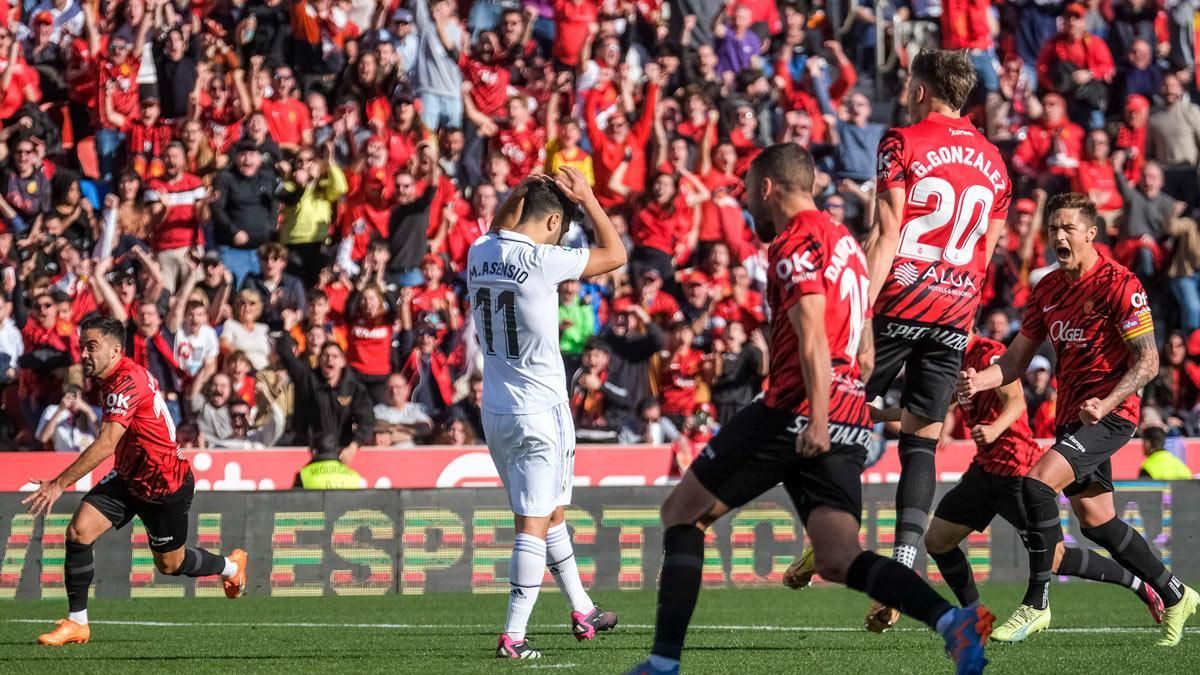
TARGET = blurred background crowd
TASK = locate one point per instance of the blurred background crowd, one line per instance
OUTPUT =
(278, 196)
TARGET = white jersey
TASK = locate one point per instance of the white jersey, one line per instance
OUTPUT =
(513, 285)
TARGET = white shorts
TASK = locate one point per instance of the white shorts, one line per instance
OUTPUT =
(535, 457)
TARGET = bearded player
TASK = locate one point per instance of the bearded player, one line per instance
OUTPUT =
(809, 431)
(943, 199)
(1096, 315)
(998, 421)
(151, 480)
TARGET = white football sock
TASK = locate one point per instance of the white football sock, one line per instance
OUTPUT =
(79, 617)
(560, 556)
(231, 568)
(525, 572)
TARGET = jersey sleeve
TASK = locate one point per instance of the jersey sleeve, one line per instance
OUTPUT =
(1132, 310)
(560, 263)
(801, 272)
(890, 170)
(1033, 324)
(121, 401)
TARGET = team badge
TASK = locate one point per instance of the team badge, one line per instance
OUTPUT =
(1088, 306)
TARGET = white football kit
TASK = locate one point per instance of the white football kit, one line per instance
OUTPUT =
(513, 285)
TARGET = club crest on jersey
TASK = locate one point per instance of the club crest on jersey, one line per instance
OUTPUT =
(1088, 306)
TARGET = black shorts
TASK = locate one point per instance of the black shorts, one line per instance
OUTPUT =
(981, 496)
(931, 357)
(166, 521)
(1089, 449)
(757, 451)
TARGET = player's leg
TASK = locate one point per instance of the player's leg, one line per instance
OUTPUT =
(526, 567)
(969, 506)
(942, 541)
(166, 526)
(1094, 507)
(1130, 549)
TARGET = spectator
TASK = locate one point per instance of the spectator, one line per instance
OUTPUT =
(599, 405)
(369, 345)
(26, 186)
(1173, 139)
(277, 290)
(1139, 75)
(1096, 178)
(632, 340)
(400, 423)
(1038, 384)
(1144, 227)
(1176, 390)
(1052, 148)
(649, 426)
(576, 324)
(1079, 66)
(438, 78)
(738, 46)
(1131, 135)
(1160, 464)
(740, 369)
(289, 120)
(663, 230)
(71, 425)
(679, 374)
(244, 332)
(431, 370)
(468, 408)
(179, 203)
(245, 211)
(308, 198)
(407, 224)
(856, 138)
(51, 345)
(456, 433)
(1184, 271)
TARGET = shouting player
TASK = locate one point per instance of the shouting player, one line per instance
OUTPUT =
(1097, 318)
(999, 424)
(514, 271)
(151, 480)
(809, 431)
(943, 198)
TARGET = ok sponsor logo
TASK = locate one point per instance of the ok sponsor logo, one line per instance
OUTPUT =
(1063, 332)
(796, 268)
(1139, 300)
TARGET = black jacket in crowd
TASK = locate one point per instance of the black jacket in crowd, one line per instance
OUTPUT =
(245, 203)
(344, 411)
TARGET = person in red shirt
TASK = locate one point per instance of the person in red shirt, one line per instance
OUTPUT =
(662, 230)
(1052, 148)
(486, 82)
(148, 138)
(1078, 65)
(1005, 451)
(573, 22)
(118, 93)
(369, 342)
(622, 146)
(1096, 178)
(966, 24)
(522, 141)
(52, 346)
(1097, 317)
(435, 304)
(288, 118)
(20, 83)
(178, 204)
(743, 305)
(364, 217)
(466, 230)
(802, 95)
(1131, 136)
(678, 372)
(660, 306)
(150, 480)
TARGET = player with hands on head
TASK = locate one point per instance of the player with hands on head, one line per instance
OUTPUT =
(513, 272)
(1097, 317)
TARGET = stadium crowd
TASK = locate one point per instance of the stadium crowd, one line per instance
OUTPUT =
(248, 183)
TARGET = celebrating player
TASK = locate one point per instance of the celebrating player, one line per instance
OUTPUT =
(999, 424)
(943, 198)
(1097, 318)
(809, 431)
(151, 480)
(514, 271)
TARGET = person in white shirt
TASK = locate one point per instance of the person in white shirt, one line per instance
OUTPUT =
(400, 423)
(71, 425)
(513, 272)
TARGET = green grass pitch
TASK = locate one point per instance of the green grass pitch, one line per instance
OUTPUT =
(1097, 628)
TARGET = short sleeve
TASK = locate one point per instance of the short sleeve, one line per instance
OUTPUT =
(890, 170)
(560, 263)
(1033, 324)
(800, 272)
(1132, 310)
(1003, 200)
(121, 401)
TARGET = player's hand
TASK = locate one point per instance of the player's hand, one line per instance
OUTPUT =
(1093, 410)
(813, 441)
(574, 185)
(968, 384)
(43, 499)
(985, 434)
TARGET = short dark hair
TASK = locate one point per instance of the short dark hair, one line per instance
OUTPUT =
(107, 326)
(948, 74)
(787, 164)
(544, 199)
(1073, 200)
(1155, 437)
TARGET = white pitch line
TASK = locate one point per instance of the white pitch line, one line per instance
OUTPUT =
(551, 666)
(433, 626)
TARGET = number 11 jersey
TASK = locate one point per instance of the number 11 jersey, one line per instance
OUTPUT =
(954, 181)
(513, 285)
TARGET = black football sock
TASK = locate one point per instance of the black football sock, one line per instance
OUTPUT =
(678, 588)
(80, 569)
(956, 570)
(1130, 549)
(1082, 563)
(1045, 531)
(200, 563)
(914, 496)
(896, 586)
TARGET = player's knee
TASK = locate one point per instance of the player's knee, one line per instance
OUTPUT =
(1058, 556)
(168, 566)
(937, 541)
(834, 565)
(76, 535)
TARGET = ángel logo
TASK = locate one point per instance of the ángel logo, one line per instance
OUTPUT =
(1061, 331)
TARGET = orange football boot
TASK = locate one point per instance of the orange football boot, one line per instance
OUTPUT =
(235, 584)
(66, 632)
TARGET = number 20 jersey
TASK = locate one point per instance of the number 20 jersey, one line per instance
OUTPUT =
(147, 456)
(816, 256)
(513, 284)
(954, 181)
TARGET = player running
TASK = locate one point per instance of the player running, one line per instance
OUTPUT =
(809, 431)
(943, 199)
(514, 271)
(151, 480)
(1097, 318)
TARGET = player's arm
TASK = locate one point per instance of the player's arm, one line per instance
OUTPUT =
(101, 449)
(1006, 370)
(1012, 400)
(866, 351)
(609, 252)
(807, 317)
(881, 248)
(1142, 369)
(995, 227)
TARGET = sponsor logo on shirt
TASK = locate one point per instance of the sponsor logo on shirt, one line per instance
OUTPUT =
(1063, 332)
